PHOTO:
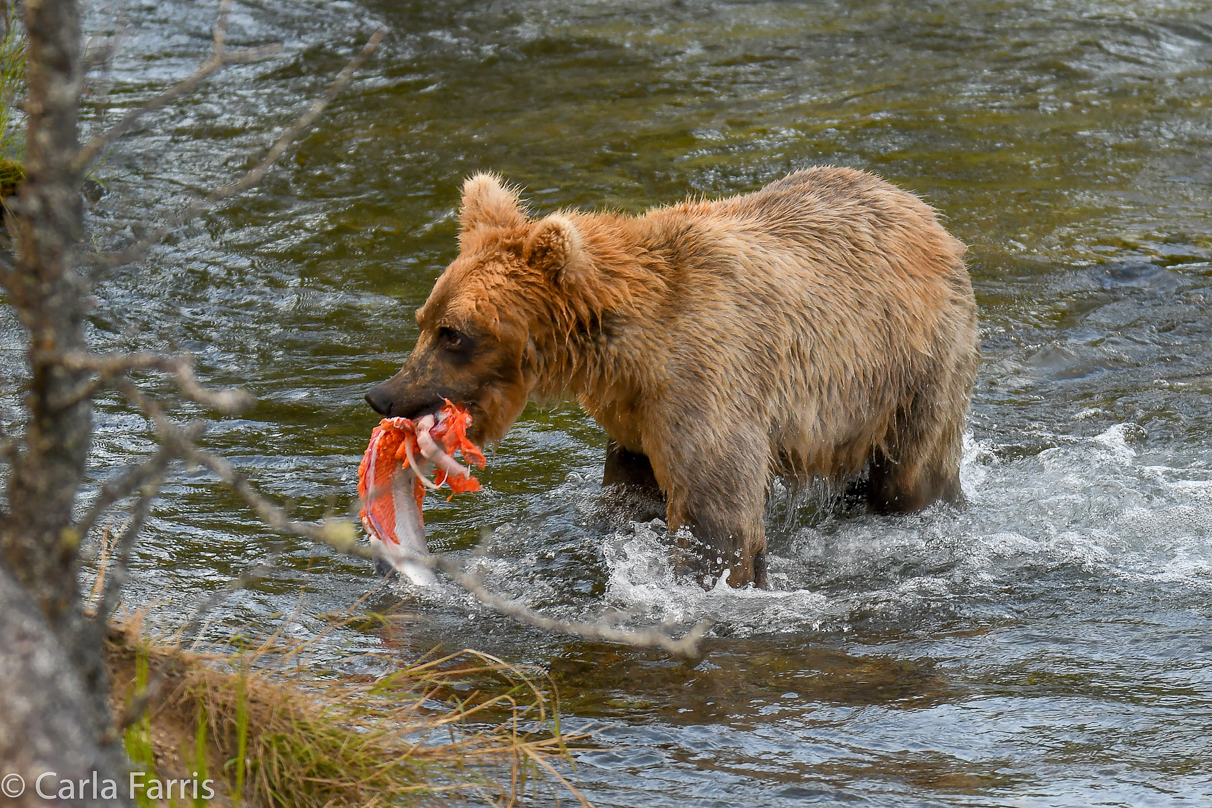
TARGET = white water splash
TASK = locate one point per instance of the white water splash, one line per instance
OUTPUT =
(1084, 508)
(642, 583)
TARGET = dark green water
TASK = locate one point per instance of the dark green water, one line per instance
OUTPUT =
(1049, 646)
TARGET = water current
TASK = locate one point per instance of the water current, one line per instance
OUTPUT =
(1049, 645)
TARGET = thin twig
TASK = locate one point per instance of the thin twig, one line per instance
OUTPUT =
(150, 407)
(111, 365)
(340, 536)
(134, 711)
(95, 55)
(84, 391)
(336, 533)
(126, 544)
(122, 485)
(254, 175)
(685, 646)
(198, 619)
(219, 34)
(94, 596)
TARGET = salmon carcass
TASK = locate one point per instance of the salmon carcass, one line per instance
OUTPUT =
(392, 481)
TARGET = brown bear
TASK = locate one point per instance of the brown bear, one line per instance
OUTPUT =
(821, 327)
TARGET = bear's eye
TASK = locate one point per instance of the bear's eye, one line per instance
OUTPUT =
(454, 341)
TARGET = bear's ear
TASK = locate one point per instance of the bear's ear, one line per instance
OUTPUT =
(489, 202)
(554, 247)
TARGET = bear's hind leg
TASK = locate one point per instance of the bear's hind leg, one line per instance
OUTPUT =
(908, 488)
(920, 462)
(920, 468)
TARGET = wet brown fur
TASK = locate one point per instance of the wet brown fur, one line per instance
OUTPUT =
(823, 326)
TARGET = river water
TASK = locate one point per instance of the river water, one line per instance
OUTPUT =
(1049, 645)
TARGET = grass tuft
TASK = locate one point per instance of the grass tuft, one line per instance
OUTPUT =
(12, 174)
(272, 734)
(13, 52)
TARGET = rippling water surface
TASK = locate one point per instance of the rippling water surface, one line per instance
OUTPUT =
(1050, 645)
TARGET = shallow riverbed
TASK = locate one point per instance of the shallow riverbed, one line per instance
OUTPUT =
(1050, 645)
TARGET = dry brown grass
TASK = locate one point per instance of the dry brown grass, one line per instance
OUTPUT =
(460, 728)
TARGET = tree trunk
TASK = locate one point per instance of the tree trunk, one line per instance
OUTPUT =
(41, 701)
(61, 650)
(49, 298)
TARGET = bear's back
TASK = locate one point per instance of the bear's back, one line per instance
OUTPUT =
(823, 299)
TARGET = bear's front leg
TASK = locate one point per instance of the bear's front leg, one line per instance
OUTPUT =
(718, 492)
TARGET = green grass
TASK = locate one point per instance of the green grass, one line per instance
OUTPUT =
(13, 50)
(450, 729)
(12, 174)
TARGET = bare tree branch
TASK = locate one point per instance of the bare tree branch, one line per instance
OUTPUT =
(126, 544)
(686, 646)
(340, 536)
(111, 365)
(123, 485)
(220, 57)
(336, 533)
(254, 175)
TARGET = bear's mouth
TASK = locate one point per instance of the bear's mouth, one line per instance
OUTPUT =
(411, 408)
(432, 406)
(415, 407)
(426, 407)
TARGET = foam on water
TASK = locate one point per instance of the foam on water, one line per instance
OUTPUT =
(1086, 507)
(643, 584)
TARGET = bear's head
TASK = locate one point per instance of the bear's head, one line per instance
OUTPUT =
(492, 313)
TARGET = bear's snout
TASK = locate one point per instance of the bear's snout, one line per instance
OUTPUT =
(379, 400)
(388, 400)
